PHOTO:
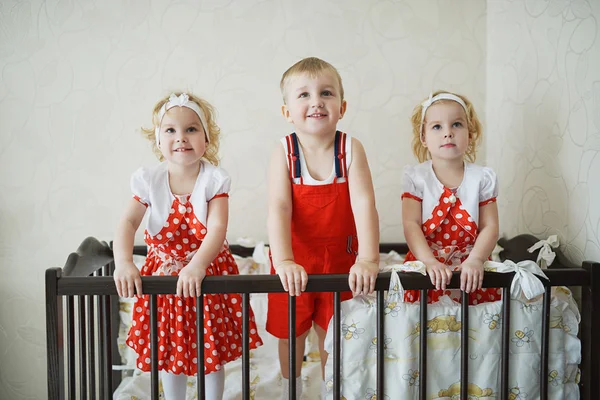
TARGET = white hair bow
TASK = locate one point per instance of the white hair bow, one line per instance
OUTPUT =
(183, 100)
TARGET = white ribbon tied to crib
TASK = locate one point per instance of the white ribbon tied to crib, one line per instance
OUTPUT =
(525, 280)
(546, 255)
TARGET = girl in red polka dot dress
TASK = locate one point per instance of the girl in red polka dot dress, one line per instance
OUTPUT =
(186, 199)
(449, 209)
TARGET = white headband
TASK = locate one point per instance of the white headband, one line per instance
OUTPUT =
(441, 96)
(183, 100)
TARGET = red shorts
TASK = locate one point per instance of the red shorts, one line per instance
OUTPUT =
(317, 307)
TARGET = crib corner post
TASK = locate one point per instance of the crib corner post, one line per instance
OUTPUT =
(53, 335)
(590, 378)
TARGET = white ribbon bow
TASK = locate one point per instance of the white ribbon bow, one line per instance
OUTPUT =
(546, 255)
(183, 100)
(525, 280)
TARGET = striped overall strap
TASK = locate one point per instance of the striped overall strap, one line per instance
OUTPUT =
(293, 155)
(341, 170)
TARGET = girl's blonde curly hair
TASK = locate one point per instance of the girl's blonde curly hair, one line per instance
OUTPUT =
(473, 126)
(212, 129)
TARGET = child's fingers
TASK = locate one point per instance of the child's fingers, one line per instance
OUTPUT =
(372, 280)
(478, 281)
(185, 289)
(290, 284)
(130, 291)
(432, 278)
(352, 282)
(199, 288)
(179, 287)
(471, 282)
(464, 276)
(304, 278)
(283, 279)
(298, 282)
(138, 285)
(192, 288)
(359, 283)
(443, 280)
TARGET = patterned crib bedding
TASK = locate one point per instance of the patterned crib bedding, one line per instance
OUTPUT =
(401, 336)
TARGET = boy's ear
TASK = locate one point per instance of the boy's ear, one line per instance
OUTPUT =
(286, 113)
(343, 109)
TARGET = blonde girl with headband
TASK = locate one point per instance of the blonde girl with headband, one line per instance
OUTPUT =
(186, 199)
(449, 209)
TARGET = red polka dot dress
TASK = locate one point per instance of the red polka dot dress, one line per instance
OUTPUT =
(450, 231)
(169, 251)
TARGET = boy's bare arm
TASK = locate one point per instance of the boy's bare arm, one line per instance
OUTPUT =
(279, 213)
(279, 224)
(362, 198)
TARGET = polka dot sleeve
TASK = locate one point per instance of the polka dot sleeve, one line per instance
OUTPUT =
(219, 185)
(410, 186)
(488, 188)
(140, 187)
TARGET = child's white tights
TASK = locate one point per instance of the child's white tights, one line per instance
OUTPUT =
(285, 393)
(175, 386)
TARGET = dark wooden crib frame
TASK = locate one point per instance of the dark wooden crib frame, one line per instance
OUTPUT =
(80, 360)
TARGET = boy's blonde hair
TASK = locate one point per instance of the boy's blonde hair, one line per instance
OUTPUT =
(312, 66)
(212, 129)
(473, 126)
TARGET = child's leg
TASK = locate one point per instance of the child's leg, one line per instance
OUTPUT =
(214, 384)
(174, 386)
(284, 362)
(321, 333)
(284, 359)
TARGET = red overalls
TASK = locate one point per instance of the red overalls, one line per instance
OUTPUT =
(450, 234)
(323, 241)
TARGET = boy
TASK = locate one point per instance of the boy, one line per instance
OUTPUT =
(321, 208)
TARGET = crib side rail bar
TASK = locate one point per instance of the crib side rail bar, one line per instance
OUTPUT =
(590, 326)
(55, 356)
(316, 283)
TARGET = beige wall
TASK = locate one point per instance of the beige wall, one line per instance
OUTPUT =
(80, 78)
(543, 118)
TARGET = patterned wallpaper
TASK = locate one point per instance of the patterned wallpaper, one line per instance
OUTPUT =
(79, 78)
(543, 118)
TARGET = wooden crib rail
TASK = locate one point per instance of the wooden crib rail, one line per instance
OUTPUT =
(80, 310)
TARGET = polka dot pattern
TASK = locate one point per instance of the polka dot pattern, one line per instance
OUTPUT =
(168, 252)
(450, 233)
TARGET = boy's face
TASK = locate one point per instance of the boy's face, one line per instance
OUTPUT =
(313, 105)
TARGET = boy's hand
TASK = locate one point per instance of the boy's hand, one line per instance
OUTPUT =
(362, 277)
(471, 276)
(127, 277)
(440, 274)
(293, 277)
(190, 280)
